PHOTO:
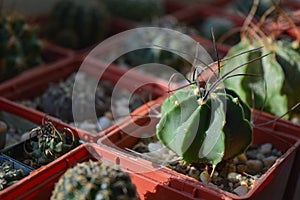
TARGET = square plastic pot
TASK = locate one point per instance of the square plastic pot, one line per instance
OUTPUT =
(35, 82)
(271, 185)
(150, 183)
(16, 151)
(287, 128)
(16, 166)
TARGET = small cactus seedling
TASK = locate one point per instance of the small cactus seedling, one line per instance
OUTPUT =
(50, 144)
(95, 180)
(78, 24)
(9, 175)
(20, 46)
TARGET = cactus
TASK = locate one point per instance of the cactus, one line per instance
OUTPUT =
(20, 46)
(78, 24)
(50, 144)
(9, 175)
(278, 75)
(94, 180)
(204, 125)
(162, 56)
(137, 10)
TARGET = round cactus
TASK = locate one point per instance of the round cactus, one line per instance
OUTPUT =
(20, 46)
(137, 10)
(205, 128)
(78, 24)
(95, 180)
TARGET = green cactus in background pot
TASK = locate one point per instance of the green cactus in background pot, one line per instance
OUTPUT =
(20, 46)
(78, 24)
(95, 180)
(274, 89)
(137, 10)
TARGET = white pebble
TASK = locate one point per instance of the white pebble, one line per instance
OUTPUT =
(104, 123)
(154, 146)
(241, 190)
(204, 177)
(234, 177)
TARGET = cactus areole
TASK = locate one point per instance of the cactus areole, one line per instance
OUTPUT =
(206, 130)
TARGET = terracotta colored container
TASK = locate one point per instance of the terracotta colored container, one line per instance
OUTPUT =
(40, 183)
(34, 82)
(273, 182)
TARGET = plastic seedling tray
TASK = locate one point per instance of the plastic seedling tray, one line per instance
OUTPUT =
(150, 183)
(33, 84)
(271, 185)
(15, 165)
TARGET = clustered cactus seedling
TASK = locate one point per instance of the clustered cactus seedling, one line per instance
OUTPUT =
(20, 46)
(95, 180)
(138, 10)
(8, 175)
(50, 144)
(78, 24)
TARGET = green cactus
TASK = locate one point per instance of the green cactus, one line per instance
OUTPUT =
(78, 24)
(20, 46)
(95, 180)
(50, 144)
(156, 55)
(278, 75)
(137, 10)
(9, 175)
(203, 127)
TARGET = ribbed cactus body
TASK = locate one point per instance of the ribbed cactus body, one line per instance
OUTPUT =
(205, 130)
(78, 24)
(138, 10)
(20, 46)
(94, 180)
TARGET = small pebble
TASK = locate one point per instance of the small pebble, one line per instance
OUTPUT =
(241, 190)
(269, 161)
(241, 168)
(154, 146)
(193, 172)
(242, 158)
(251, 154)
(204, 177)
(260, 156)
(254, 166)
(234, 177)
(104, 123)
(266, 148)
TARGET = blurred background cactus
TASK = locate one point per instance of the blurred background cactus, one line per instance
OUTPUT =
(20, 46)
(95, 180)
(78, 24)
(137, 10)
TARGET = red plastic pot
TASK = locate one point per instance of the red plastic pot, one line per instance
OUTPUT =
(288, 128)
(34, 82)
(40, 183)
(271, 185)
